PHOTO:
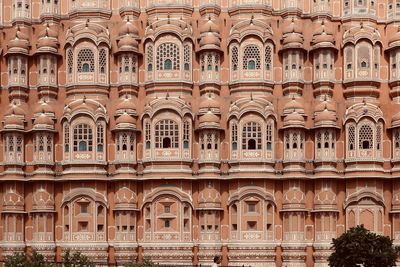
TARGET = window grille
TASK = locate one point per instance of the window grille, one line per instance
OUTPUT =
(167, 134)
(83, 138)
(251, 57)
(168, 57)
(85, 60)
(251, 136)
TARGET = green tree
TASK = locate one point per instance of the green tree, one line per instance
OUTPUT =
(16, 260)
(360, 246)
(76, 260)
(25, 260)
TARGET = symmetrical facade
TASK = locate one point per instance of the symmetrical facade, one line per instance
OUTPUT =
(177, 130)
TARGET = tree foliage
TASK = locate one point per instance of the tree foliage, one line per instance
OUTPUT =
(360, 246)
(77, 259)
(25, 260)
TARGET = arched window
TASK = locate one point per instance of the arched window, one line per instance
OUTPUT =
(364, 55)
(167, 134)
(147, 134)
(100, 138)
(251, 136)
(149, 58)
(251, 57)
(85, 60)
(70, 61)
(186, 57)
(351, 137)
(234, 136)
(102, 60)
(235, 58)
(269, 136)
(66, 137)
(268, 57)
(365, 137)
(349, 57)
(186, 134)
(168, 57)
(83, 138)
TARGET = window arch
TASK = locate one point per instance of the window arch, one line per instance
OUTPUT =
(364, 139)
(168, 56)
(83, 138)
(167, 134)
(85, 60)
(251, 138)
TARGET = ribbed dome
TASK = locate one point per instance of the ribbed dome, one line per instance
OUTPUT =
(293, 39)
(293, 105)
(209, 120)
(126, 104)
(325, 117)
(126, 118)
(325, 105)
(293, 34)
(13, 122)
(322, 37)
(19, 42)
(47, 42)
(294, 119)
(49, 32)
(127, 37)
(127, 43)
(128, 28)
(210, 39)
(209, 26)
(16, 110)
(209, 117)
(209, 103)
(292, 26)
(125, 122)
(43, 107)
(43, 122)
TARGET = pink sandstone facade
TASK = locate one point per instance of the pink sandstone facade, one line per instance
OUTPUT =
(177, 130)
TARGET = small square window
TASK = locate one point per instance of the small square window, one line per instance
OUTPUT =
(84, 207)
(252, 207)
(167, 223)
